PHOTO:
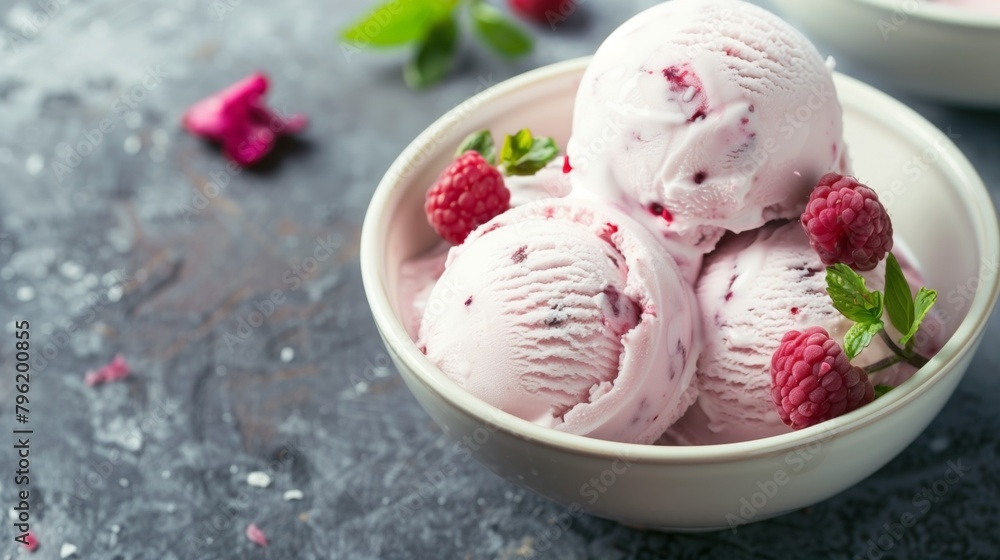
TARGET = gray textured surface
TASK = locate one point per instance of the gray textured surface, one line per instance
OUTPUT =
(103, 260)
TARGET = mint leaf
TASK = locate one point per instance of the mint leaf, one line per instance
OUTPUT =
(882, 389)
(481, 142)
(523, 154)
(851, 297)
(859, 337)
(898, 298)
(434, 57)
(924, 301)
(499, 33)
(542, 151)
(397, 23)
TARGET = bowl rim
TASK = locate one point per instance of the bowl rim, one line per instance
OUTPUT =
(877, 104)
(941, 13)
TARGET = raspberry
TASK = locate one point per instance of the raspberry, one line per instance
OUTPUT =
(812, 380)
(538, 10)
(469, 193)
(846, 223)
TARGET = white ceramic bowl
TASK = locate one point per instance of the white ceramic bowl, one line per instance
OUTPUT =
(934, 50)
(942, 210)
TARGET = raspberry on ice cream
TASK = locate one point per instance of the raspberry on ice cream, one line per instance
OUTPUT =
(846, 223)
(754, 288)
(467, 194)
(568, 315)
(813, 381)
(701, 117)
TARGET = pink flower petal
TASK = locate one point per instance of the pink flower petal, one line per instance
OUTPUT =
(31, 542)
(117, 369)
(255, 535)
(237, 118)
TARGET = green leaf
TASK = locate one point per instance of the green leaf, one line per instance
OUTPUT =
(851, 297)
(435, 56)
(499, 33)
(925, 300)
(859, 337)
(882, 389)
(898, 298)
(481, 142)
(523, 154)
(542, 151)
(397, 22)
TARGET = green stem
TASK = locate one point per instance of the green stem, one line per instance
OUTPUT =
(882, 364)
(912, 358)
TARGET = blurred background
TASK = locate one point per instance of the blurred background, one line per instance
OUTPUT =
(122, 234)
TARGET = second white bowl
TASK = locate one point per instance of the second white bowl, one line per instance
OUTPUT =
(937, 51)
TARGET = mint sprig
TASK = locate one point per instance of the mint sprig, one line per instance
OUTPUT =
(520, 153)
(851, 296)
(922, 304)
(859, 336)
(481, 142)
(435, 55)
(431, 27)
(497, 32)
(855, 301)
(881, 390)
(898, 298)
(523, 154)
(396, 23)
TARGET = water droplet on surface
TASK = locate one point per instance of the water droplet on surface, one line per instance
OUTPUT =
(258, 479)
(132, 145)
(287, 354)
(67, 550)
(25, 293)
(34, 164)
(71, 270)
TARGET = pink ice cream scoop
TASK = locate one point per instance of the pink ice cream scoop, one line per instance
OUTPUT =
(753, 289)
(418, 275)
(568, 315)
(702, 116)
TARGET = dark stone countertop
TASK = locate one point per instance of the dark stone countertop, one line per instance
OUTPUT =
(102, 259)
